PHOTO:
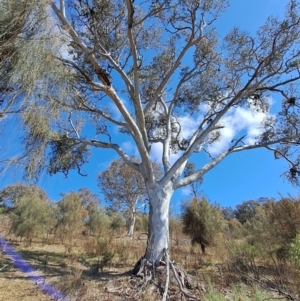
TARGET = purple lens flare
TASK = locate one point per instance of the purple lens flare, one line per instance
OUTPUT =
(26, 268)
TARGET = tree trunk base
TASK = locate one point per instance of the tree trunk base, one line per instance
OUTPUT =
(168, 284)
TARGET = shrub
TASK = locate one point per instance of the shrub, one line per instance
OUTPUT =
(202, 221)
(294, 251)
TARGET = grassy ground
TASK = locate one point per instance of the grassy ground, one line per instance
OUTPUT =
(78, 274)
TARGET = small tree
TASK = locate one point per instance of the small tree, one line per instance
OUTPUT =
(69, 216)
(98, 221)
(89, 200)
(294, 251)
(125, 189)
(32, 216)
(284, 219)
(202, 221)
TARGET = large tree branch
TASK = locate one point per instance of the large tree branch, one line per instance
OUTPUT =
(266, 144)
(198, 175)
(137, 134)
(120, 70)
(171, 71)
(100, 144)
(101, 72)
(188, 180)
(179, 165)
(166, 142)
(62, 7)
(143, 144)
(137, 97)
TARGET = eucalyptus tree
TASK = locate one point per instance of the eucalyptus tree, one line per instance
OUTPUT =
(140, 69)
(12, 194)
(124, 188)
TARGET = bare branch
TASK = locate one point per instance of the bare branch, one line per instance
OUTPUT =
(137, 99)
(72, 125)
(115, 147)
(63, 7)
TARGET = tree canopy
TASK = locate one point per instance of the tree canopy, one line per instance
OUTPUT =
(116, 54)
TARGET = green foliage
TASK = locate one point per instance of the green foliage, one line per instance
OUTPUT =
(117, 222)
(69, 216)
(202, 221)
(106, 259)
(103, 245)
(294, 251)
(141, 223)
(66, 155)
(98, 221)
(284, 218)
(242, 254)
(14, 21)
(32, 216)
(272, 225)
(245, 211)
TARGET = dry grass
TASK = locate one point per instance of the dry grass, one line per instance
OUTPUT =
(79, 272)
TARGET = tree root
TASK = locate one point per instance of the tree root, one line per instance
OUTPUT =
(181, 283)
(164, 298)
(160, 277)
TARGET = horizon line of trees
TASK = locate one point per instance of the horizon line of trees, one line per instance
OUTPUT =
(33, 215)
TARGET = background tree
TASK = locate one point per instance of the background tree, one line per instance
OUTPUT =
(202, 221)
(69, 216)
(272, 226)
(32, 215)
(284, 219)
(88, 198)
(98, 221)
(12, 194)
(156, 63)
(246, 211)
(124, 189)
(228, 213)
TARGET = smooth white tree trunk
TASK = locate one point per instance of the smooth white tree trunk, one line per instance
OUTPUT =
(131, 224)
(158, 228)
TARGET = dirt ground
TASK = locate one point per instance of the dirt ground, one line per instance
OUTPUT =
(77, 278)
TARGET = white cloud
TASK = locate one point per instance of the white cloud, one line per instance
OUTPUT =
(186, 191)
(127, 146)
(189, 125)
(238, 122)
(156, 153)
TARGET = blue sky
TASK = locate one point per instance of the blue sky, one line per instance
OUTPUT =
(241, 176)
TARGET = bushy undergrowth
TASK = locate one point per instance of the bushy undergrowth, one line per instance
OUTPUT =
(261, 251)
